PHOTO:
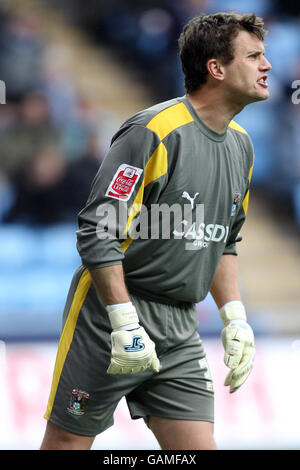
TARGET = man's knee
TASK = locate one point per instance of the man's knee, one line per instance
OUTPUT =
(56, 438)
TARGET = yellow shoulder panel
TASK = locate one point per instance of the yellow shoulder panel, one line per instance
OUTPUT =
(170, 119)
(237, 127)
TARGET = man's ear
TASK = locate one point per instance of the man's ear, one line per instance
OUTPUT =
(215, 69)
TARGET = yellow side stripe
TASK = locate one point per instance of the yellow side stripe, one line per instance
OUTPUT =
(250, 171)
(156, 167)
(170, 119)
(246, 202)
(67, 334)
(126, 244)
(234, 125)
(246, 198)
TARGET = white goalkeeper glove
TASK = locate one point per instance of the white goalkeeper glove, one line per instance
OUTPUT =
(238, 342)
(132, 349)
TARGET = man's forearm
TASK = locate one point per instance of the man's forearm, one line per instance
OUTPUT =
(110, 284)
(225, 286)
(126, 329)
(237, 335)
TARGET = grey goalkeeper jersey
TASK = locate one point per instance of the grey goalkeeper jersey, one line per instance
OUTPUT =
(168, 201)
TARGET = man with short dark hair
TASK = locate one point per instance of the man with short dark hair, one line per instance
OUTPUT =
(130, 323)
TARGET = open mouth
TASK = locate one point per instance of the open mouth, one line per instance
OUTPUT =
(263, 81)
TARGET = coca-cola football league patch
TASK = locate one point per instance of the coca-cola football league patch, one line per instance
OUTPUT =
(123, 183)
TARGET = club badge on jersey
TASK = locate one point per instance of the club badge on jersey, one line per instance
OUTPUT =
(123, 183)
(235, 205)
(78, 402)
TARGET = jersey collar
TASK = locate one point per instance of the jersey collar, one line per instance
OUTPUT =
(211, 134)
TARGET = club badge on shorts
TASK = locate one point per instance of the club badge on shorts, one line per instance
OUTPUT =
(122, 185)
(78, 402)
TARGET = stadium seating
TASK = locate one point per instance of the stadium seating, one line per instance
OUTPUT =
(37, 267)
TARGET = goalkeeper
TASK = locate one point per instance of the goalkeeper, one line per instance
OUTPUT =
(130, 322)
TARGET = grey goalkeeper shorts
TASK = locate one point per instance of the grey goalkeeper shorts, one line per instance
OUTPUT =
(83, 396)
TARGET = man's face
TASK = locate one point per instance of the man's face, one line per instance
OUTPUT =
(245, 76)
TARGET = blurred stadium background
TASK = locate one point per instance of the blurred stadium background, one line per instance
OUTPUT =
(73, 74)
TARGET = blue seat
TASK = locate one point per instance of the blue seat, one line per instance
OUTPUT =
(37, 288)
(57, 245)
(17, 247)
(32, 301)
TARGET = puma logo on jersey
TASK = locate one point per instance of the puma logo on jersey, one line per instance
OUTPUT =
(186, 195)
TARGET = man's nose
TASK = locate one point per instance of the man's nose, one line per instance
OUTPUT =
(266, 64)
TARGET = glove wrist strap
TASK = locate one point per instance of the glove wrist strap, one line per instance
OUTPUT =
(233, 310)
(123, 316)
(132, 326)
